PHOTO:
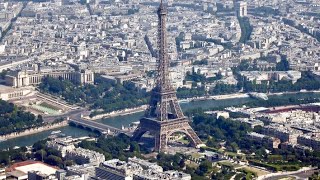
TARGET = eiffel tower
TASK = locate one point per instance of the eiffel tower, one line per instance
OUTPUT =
(164, 115)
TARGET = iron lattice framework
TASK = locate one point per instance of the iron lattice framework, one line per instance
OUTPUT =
(164, 115)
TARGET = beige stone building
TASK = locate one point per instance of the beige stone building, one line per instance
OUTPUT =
(311, 140)
(285, 134)
(9, 93)
(31, 78)
(271, 141)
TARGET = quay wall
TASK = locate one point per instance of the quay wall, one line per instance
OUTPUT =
(119, 113)
(33, 130)
(144, 107)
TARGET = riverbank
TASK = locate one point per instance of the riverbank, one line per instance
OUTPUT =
(240, 95)
(144, 107)
(118, 113)
(216, 97)
(194, 99)
(33, 131)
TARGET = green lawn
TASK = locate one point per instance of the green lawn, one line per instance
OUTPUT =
(255, 171)
(44, 104)
(228, 163)
(276, 167)
(196, 155)
(45, 110)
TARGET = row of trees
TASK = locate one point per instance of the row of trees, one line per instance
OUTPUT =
(14, 119)
(193, 92)
(13, 155)
(120, 96)
(106, 95)
(282, 101)
(216, 130)
(48, 155)
(39, 152)
(120, 147)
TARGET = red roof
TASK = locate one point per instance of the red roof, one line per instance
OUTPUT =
(25, 163)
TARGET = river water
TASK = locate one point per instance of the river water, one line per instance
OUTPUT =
(125, 120)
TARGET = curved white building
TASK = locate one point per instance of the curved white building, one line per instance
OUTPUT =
(27, 78)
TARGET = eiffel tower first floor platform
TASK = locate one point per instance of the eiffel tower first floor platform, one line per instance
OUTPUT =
(162, 130)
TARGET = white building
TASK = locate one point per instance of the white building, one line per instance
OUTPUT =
(85, 156)
(241, 9)
(136, 169)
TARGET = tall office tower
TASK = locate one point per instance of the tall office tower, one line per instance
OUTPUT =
(164, 115)
(241, 8)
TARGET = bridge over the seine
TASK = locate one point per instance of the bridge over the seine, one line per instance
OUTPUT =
(96, 126)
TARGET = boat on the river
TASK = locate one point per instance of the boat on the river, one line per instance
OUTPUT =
(261, 96)
(56, 132)
(184, 101)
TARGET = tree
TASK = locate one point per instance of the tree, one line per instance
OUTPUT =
(54, 152)
(134, 147)
(315, 176)
(3, 74)
(21, 156)
(106, 95)
(205, 167)
(182, 163)
(40, 154)
(68, 163)
(202, 62)
(15, 119)
(54, 160)
(39, 145)
(283, 65)
(234, 147)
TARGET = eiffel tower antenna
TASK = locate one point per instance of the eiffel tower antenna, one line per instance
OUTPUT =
(164, 115)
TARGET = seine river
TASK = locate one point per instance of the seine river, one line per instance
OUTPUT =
(125, 120)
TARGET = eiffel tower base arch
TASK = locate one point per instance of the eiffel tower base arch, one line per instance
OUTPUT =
(162, 130)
